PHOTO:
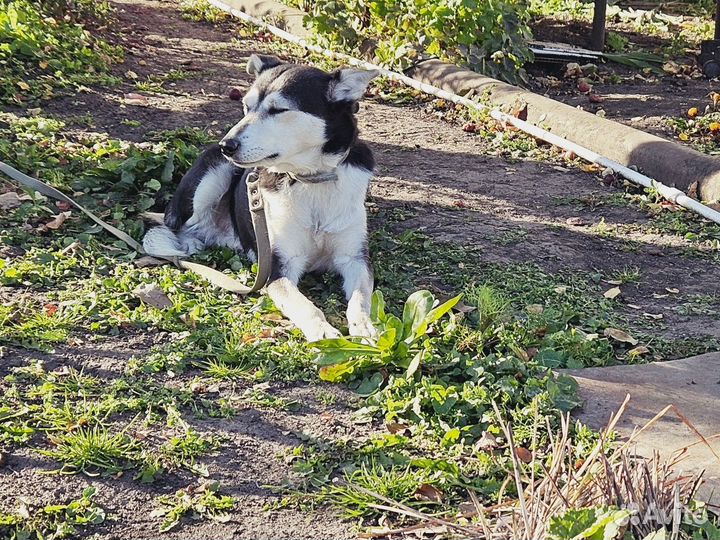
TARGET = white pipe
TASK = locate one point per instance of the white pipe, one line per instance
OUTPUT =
(672, 194)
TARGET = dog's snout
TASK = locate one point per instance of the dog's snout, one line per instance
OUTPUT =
(229, 146)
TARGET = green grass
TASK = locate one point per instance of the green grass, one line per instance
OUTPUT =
(94, 451)
(629, 274)
(42, 52)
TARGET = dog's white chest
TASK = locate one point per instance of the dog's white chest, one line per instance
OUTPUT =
(311, 215)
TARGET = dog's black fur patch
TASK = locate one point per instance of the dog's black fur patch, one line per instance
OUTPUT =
(308, 88)
(180, 208)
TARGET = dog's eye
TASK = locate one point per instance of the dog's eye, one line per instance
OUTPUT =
(276, 110)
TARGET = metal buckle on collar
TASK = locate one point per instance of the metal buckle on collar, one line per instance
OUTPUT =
(255, 199)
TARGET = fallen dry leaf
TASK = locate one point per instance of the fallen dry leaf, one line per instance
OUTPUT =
(573, 70)
(488, 441)
(524, 454)
(583, 86)
(467, 509)
(620, 335)
(672, 290)
(429, 493)
(654, 316)
(142, 262)
(396, 427)
(672, 68)
(535, 309)
(612, 293)
(135, 99)
(715, 97)
(152, 295)
(57, 222)
(520, 111)
(575, 221)
(639, 350)
(11, 200)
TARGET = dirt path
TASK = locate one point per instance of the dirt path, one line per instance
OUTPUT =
(523, 211)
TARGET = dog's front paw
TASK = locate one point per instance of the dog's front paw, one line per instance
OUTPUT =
(320, 330)
(362, 327)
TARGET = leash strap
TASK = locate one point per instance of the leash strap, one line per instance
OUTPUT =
(215, 277)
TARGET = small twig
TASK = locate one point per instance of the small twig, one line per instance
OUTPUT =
(689, 424)
(516, 468)
(398, 507)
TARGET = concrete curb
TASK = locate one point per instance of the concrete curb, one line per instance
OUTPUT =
(665, 161)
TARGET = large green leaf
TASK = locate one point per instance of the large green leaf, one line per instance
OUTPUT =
(415, 364)
(417, 307)
(377, 307)
(599, 523)
(337, 350)
(370, 384)
(435, 315)
(387, 339)
(338, 372)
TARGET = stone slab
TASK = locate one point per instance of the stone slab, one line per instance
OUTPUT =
(691, 384)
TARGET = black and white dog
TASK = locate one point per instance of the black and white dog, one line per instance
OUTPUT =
(299, 129)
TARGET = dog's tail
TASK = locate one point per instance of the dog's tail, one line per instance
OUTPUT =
(162, 241)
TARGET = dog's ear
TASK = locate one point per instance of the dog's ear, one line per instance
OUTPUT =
(257, 63)
(350, 84)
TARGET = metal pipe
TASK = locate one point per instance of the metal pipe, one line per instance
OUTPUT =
(670, 193)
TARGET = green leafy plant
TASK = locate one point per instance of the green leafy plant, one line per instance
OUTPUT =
(202, 10)
(52, 521)
(400, 342)
(201, 503)
(487, 36)
(94, 451)
(596, 523)
(40, 53)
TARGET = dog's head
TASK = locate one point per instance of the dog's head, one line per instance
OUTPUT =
(297, 118)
